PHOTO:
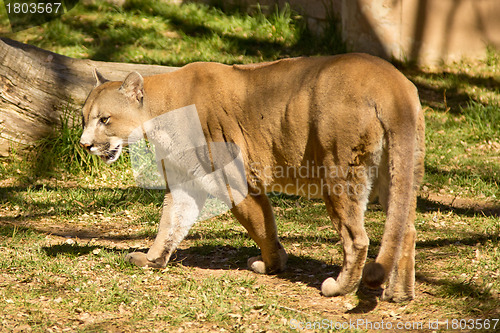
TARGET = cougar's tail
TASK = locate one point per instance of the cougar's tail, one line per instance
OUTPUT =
(403, 126)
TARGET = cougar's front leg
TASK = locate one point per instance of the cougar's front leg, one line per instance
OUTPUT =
(178, 216)
(256, 215)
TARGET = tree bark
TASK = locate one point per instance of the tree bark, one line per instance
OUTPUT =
(37, 87)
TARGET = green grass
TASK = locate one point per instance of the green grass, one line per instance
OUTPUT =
(467, 165)
(156, 32)
(67, 219)
(463, 128)
(4, 19)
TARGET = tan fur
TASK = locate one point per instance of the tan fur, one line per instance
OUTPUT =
(355, 114)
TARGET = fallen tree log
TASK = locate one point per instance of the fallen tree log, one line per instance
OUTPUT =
(37, 87)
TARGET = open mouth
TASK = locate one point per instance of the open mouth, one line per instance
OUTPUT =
(111, 155)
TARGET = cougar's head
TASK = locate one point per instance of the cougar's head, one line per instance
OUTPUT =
(112, 110)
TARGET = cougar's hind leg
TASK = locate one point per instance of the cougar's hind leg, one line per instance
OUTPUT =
(401, 284)
(256, 215)
(346, 205)
(401, 279)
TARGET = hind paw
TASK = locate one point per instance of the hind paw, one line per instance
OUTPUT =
(330, 288)
(397, 297)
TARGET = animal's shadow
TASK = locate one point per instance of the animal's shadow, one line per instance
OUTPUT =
(306, 270)
(303, 269)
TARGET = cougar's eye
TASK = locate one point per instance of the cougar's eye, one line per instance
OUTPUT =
(104, 120)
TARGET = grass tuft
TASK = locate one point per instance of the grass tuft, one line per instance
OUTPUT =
(62, 151)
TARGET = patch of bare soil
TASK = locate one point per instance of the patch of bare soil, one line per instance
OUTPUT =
(488, 208)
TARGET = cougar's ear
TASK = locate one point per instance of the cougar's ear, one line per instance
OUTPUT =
(133, 87)
(99, 79)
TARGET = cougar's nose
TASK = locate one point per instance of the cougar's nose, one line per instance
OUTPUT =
(86, 145)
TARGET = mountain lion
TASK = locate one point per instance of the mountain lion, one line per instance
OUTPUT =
(347, 129)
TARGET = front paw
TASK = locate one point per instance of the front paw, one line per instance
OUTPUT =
(140, 259)
(258, 266)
